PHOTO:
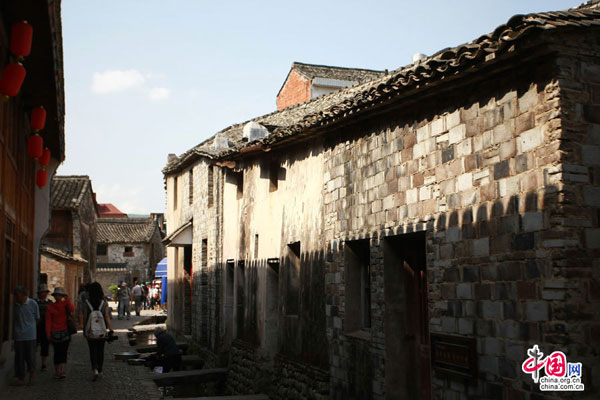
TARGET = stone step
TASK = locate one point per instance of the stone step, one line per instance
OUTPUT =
(190, 377)
(152, 348)
(191, 361)
(126, 355)
(236, 397)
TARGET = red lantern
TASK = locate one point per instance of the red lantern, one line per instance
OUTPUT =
(38, 118)
(20, 39)
(44, 160)
(35, 146)
(12, 79)
(41, 178)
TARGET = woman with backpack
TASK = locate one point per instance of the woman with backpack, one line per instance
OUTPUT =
(95, 321)
(57, 329)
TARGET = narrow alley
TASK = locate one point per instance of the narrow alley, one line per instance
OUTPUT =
(120, 381)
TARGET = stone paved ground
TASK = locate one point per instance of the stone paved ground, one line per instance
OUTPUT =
(121, 381)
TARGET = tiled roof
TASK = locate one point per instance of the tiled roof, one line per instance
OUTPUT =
(361, 98)
(68, 191)
(62, 254)
(312, 71)
(125, 230)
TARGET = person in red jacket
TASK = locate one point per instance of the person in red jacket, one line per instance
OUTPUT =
(57, 329)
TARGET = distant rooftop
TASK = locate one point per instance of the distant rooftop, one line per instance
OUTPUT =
(108, 210)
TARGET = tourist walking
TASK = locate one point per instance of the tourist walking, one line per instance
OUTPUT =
(124, 296)
(43, 301)
(25, 316)
(145, 296)
(57, 329)
(137, 293)
(95, 323)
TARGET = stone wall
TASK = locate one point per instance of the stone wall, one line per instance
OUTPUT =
(576, 223)
(478, 171)
(138, 262)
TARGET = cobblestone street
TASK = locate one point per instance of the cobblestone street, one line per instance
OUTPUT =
(121, 381)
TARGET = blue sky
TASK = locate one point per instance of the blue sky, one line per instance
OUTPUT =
(147, 78)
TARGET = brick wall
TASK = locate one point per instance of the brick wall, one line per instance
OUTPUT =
(479, 170)
(296, 90)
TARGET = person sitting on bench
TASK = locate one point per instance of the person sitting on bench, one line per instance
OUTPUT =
(167, 353)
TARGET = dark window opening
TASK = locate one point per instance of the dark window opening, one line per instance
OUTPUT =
(240, 296)
(191, 187)
(292, 280)
(256, 246)
(102, 250)
(273, 176)
(239, 182)
(187, 259)
(210, 187)
(175, 193)
(204, 254)
(128, 252)
(357, 257)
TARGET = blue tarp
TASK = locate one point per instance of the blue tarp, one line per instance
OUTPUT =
(161, 268)
(163, 297)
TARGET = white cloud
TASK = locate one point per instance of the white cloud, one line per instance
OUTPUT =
(116, 81)
(159, 93)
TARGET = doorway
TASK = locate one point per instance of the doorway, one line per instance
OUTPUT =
(407, 348)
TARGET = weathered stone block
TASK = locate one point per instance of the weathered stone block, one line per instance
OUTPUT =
(536, 310)
(591, 195)
(503, 132)
(533, 221)
(529, 140)
(481, 247)
(501, 170)
(464, 148)
(491, 309)
(465, 326)
(590, 154)
(592, 238)
(527, 100)
(464, 291)
(457, 134)
(465, 181)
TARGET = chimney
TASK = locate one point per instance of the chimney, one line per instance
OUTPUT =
(418, 57)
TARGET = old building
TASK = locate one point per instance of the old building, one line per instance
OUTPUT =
(68, 256)
(127, 248)
(308, 81)
(25, 208)
(407, 237)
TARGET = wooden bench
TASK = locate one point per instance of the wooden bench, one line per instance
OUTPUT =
(190, 377)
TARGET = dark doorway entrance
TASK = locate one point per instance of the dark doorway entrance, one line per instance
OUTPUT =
(187, 289)
(407, 365)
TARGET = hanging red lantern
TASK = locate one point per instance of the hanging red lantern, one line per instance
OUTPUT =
(41, 178)
(35, 146)
(20, 39)
(12, 79)
(44, 160)
(38, 118)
